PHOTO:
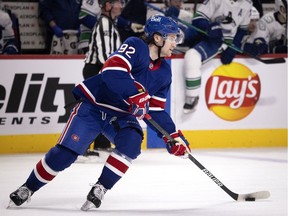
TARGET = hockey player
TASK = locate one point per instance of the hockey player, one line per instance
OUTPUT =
(271, 28)
(254, 18)
(7, 36)
(133, 80)
(88, 16)
(62, 25)
(221, 20)
(135, 12)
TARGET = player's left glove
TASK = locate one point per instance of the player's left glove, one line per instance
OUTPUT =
(178, 148)
(227, 56)
(258, 47)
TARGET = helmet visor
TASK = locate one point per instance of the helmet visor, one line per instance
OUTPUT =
(177, 38)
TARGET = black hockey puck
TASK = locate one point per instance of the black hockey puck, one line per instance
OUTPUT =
(250, 199)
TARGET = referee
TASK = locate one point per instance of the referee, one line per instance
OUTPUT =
(105, 39)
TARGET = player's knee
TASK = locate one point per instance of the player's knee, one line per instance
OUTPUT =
(59, 157)
(128, 142)
(192, 55)
(192, 60)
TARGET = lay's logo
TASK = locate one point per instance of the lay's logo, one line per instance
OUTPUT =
(232, 91)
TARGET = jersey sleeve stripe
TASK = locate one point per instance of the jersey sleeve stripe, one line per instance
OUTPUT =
(114, 68)
(125, 60)
(157, 103)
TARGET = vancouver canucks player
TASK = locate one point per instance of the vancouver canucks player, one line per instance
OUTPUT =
(221, 20)
(270, 34)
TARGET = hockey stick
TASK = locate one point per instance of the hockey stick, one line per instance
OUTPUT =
(265, 61)
(238, 197)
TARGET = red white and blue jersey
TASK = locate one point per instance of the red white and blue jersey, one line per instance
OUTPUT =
(110, 89)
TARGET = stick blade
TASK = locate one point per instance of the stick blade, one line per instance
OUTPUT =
(255, 196)
(273, 61)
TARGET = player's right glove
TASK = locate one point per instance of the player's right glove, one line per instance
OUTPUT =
(178, 148)
(10, 49)
(139, 103)
(227, 56)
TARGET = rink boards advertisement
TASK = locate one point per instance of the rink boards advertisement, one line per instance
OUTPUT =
(241, 105)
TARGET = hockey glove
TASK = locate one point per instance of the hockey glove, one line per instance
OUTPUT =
(10, 50)
(139, 104)
(137, 28)
(57, 31)
(178, 148)
(251, 49)
(227, 56)
(172, 12)
(258, 47)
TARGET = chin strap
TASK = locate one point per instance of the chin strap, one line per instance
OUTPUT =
(159, 48)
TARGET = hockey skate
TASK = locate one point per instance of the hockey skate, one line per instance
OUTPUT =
(190, 104)
(94, 197)
(20, 196)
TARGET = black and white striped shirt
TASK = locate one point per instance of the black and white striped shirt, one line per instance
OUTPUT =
(105, 39)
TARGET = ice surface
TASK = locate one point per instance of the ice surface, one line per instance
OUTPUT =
(158, 184)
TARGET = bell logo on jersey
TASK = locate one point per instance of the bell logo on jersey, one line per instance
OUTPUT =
(155, 19)
(232, 91)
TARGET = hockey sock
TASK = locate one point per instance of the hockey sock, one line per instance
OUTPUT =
(115, 167)
(57, 159)
(128, 145)
(192, 70)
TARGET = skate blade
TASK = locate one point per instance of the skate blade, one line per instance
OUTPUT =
(187, 111)
(87, 205)
(11, 204)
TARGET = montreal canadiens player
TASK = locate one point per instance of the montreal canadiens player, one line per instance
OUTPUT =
(226, 20)
(134, 80)
(270, 28)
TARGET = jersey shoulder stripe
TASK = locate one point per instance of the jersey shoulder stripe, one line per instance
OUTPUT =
(116, 62)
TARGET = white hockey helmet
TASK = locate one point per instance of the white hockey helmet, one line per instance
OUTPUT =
(254, 14)
(281, 7)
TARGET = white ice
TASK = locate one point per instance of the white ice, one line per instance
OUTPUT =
(158, 184)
